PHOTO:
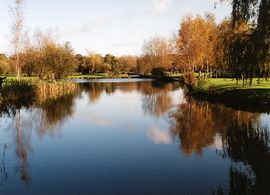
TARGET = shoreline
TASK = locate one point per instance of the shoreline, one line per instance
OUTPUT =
(253, 100)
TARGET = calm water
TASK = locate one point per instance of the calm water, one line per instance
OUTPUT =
(132, 137)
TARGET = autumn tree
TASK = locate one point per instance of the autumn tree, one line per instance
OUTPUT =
(4, 64)
(157, 50)
(18, 33)
(144, 65)
(111, 61)
(196, 43)
(95, 61)
(127, 63)
(58, 61)
(188, 49)
(31, 60)
(47, 59)
(80, 64)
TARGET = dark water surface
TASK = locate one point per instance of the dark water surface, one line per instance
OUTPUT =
(133, 137)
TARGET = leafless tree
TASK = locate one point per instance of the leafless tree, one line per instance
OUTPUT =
(18, 33)
(157, 49)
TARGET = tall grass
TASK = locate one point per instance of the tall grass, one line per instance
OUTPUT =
(24, 93)
(45, 90)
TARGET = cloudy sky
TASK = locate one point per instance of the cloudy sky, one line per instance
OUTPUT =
(105, 26)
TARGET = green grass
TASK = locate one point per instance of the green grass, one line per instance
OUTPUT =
(255, 98)
(175, 75)
(98, 76)
(230, 84)
(88, 76)
(30, 80)
(13, 78)
(78, 76)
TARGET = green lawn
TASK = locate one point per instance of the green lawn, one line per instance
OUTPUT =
(79, 76)
(88, 76)
(11, 78)
(14, 77)
(98, 76)
(227, 84)
(175, 75)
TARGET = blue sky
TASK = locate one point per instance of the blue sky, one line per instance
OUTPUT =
(105, 26)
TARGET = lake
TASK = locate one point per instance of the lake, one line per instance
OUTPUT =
(132, 137)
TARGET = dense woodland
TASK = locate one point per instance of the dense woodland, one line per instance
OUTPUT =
(236, 47)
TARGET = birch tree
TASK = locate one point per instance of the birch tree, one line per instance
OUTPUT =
(18, 33)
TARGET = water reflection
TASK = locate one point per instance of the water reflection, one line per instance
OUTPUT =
(199, 128)
(46, 116)
(159, 136)
(244, 140)
(157, 100)
(53, 113)
(156, 97)
(23, 146)
(197, 123)
(248, 143)
(27, 114)
(4, 173)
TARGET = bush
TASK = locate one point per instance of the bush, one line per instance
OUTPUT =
(159, 73)
(190, 80)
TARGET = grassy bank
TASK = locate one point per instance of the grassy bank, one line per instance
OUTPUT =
(99, 76)
(226, 91)
(231, 84)
(77, 76)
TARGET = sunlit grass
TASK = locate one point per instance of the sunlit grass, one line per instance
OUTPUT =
(98, 76)
(13, 78)
(227, 84)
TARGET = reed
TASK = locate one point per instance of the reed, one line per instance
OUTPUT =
(16, 94)
(45, 90)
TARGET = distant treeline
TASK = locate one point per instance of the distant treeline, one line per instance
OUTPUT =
(236, 47)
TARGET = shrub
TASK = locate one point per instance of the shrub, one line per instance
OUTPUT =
(159, 73)
(190, 80)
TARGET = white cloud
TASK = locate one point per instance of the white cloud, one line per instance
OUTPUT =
(208, 1)
(160, 6)
(156, 7)
(94, 26)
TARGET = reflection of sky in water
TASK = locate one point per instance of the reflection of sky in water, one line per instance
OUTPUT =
(159, 136)
(265, 120)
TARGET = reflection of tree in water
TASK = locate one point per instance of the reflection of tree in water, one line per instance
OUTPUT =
(93, 90)
(195, 127)
(48, 113)
(23, 146)
(53, 112)
(249, 144)
(14, 98)
(197, 123)
(244, 141)
(43, 116)
(4, 172)
(156, 98)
